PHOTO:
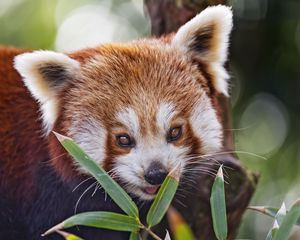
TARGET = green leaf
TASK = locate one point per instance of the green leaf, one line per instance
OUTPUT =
(278, 220)
(180, 229)
(113, 189)
(69, 236)
(272, 231)
(288, 221)
(134, 236)
(271, 234)
(183, 231)
(163, 199)
(218, 206)
(108, 220)
(269, 211)
(280, 215)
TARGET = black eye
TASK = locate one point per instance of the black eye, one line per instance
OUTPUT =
(124, 140)
(174, 134)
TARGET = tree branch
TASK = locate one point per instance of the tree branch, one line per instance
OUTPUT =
(167, 16)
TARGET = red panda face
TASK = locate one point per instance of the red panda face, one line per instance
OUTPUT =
(135, 105)
(138, 109)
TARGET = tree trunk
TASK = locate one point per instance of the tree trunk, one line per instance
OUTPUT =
(167, 16)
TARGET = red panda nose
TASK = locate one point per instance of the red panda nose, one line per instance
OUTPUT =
(156, 173)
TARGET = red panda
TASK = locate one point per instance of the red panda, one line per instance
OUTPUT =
(138, 109)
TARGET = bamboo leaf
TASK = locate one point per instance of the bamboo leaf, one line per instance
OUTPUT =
(218, 206)
(272, 231)
(269, 211)
(134, 236)
(163, 198)
(180, 229)
(167, 237)
(69, 236)
(113, 189)
(288, 221)
(280, 215)
(278, 220)
(108, 220)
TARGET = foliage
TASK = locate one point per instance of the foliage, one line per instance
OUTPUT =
(284, 220)
(266, 63)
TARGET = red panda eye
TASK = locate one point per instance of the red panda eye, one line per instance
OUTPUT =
(174, 134)
(124, 140)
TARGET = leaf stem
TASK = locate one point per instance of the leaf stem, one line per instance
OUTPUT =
(153, 234)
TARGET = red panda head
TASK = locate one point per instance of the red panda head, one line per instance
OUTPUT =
(139, 109)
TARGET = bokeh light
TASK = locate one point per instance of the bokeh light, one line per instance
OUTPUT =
(264, 64)
(92, 24)
(263, 125)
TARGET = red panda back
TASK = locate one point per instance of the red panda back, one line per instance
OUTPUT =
(22, 146)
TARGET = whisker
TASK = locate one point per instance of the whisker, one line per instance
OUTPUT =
(240, 129)
(85, 191)
(181, 203)
(81, 183)
(234, 151)
(98, 186)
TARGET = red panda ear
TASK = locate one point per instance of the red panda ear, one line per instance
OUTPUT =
(45, 73)
(205, 37)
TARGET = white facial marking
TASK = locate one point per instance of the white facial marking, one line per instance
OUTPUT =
(91, 137)
(132, 166)
(129, 118)
(206, 126)
(164, 116)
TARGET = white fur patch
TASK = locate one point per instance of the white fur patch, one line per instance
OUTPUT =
(91, 137)
(152, 147)
(129, 118)
(166, 112)
(132, 167)
(219, 17)
(206, 126)
(28, 65)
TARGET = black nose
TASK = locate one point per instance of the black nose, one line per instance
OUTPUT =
(156, 173)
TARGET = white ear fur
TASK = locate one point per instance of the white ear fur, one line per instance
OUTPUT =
(44, 74)
(206, 37)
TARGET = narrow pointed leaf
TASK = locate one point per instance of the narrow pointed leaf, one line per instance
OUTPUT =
(113, 189)
(280, 215)
(180, 229)
(272, 231)
(269, 211)
(288, 222)
(271, 234)
(167, 237)
(278, 220)
(134, 236)
(218, 206)
(107, 220)
(69, 236)
(163, 199)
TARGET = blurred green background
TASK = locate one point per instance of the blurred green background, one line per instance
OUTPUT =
(264, 64)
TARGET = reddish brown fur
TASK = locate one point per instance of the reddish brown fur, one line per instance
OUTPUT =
(114, 76)
(22, 145)
(124, 75)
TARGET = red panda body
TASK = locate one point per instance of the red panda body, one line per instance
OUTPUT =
(33, 196)
(139, 109)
